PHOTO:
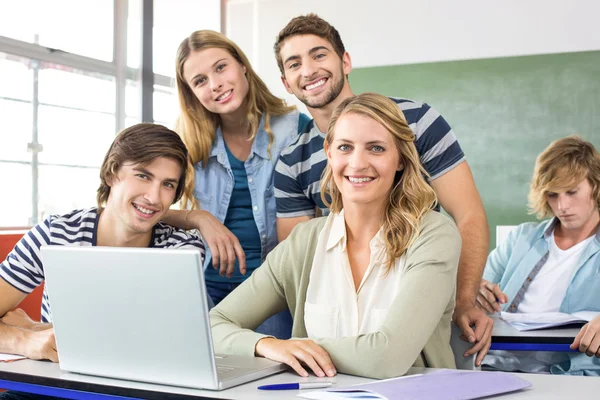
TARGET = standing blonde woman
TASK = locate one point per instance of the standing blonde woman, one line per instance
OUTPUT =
(234, 129)
(371, 286)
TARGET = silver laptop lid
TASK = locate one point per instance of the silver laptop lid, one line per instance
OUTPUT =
(131, 313)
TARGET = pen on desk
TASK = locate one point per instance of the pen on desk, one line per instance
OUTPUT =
(296, 386)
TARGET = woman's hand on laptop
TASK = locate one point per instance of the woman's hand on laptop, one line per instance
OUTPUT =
(40, 345)
(295, 353)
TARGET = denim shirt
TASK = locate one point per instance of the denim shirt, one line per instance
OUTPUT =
(511, 263)
(214, 182)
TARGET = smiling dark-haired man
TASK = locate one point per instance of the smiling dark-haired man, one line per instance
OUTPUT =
(142, 175)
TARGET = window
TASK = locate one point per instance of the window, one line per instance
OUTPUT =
(69, 127)
(58, 93)
(79, 27)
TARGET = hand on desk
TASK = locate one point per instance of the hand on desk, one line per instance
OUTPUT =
(294, 352)
(490, 297)
(588, 339)
(467, 317)
(33, 339)
(40, 345)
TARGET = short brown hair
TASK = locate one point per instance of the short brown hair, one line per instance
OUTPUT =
(310, 24)
(560, 167)
(142, 144)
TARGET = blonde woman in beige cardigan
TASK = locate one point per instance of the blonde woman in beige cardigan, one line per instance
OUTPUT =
(371, 286)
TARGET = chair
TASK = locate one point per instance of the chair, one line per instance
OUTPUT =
(459, 347)
(502, 232)
(33, 302)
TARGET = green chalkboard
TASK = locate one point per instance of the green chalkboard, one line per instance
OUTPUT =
(504, 111)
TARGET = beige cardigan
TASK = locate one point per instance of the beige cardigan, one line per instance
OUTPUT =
(416, 333)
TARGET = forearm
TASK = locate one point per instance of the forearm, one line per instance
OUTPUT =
(235, 317)
(475, 244)
(179, 218)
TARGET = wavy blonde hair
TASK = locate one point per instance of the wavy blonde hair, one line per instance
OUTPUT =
(196, 125)
(561, 167)
(411, 197)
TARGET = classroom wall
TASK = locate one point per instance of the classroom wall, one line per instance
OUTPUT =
(504, 111)
(391, 32)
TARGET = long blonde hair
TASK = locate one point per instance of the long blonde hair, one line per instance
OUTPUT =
(411, 197)
(197, 125)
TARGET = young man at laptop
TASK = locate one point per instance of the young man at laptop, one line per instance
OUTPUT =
(314, 67)
(142, 175)
(553, 266)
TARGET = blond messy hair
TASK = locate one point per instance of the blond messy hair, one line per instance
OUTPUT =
(561, 167)
(411, 197)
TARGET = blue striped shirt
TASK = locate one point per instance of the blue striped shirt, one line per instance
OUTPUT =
(23, 268)
(301, 164)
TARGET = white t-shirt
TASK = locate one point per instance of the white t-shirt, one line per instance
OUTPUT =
(547, 290)
(334, 308)
(545, 294)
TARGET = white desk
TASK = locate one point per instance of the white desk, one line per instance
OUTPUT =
(505, 337)
(49, 375)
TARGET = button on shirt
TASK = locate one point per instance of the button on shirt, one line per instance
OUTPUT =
(334, 308)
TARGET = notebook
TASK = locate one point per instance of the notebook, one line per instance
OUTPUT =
(533, 321)
(445, 384)
(139, 314)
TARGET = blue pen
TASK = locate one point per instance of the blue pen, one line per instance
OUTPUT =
(296, 386)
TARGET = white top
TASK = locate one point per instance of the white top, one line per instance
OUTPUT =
(333, 307)
(548, 288)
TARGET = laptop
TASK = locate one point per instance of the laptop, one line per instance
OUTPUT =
(139, 314)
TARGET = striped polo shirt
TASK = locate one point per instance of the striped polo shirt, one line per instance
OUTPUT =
(23, 268)
(301, 164)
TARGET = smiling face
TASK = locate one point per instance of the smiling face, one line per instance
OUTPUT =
(141, 195)
(575, 208)
(364, 160)
(217, 80)
(312, 71)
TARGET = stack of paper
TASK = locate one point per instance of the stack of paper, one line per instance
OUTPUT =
(10, 357)
(532, 321)
(444, 384)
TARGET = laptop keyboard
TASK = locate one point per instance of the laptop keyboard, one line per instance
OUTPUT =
(223, 368)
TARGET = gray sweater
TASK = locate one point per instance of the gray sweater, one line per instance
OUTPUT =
(415, 332)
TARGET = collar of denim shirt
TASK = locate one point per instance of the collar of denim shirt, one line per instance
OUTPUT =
(259, 146)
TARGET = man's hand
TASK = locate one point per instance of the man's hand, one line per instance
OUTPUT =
(588, 339)
(20, 319)
(295, 352)
(223, 244)
(490, 297)
(40, 345)
(467, 315)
